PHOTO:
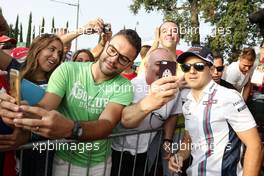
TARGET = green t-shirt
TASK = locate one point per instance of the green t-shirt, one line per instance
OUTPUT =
(85, 100)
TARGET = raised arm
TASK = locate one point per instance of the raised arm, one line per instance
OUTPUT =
(161, 92)
(89, 28)
(98, 49)
(154, 46)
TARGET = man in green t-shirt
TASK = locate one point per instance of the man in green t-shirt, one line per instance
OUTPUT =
(89, 98)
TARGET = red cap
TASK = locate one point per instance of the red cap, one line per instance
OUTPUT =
(19, 53)
(179, 52)
(4, 39)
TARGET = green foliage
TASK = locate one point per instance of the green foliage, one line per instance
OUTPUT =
(21, 33)
(230, 18)
(67, 24)
(42, 30)
(34, 32)
(52, 25)
(28, 41)
(16, 30)
(11, 32)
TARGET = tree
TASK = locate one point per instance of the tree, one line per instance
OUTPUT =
(232, 28)
(4, 27)
(228, 16)
(11, 32)
(34, 32)
(52, 25)
(21, 33)
(67, 24)
(29, 30)
(16, 30)
(42, 30)
(185, 14)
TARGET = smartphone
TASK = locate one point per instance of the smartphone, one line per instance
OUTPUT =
(167, 68)
(107, 28)
(15, 85)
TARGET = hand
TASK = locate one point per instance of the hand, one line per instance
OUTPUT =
(105, 37)
(161, 92)
(12, 141)
(166, 146)
(175, 163)
(157, 35)
(52, 124)
(8, 109)
(182, 83)
(94, 26)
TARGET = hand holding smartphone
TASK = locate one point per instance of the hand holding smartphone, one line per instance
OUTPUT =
(15, 85)
(167, 68)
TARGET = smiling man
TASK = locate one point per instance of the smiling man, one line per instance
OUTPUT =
(217, 122)
(87, 109)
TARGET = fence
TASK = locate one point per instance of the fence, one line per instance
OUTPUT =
(42, 164)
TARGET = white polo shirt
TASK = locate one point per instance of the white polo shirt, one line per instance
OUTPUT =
(129, 143)
(234, 76)
(216, 149)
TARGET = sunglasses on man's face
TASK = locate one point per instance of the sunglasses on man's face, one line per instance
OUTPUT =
(220, 68)
(198, 66)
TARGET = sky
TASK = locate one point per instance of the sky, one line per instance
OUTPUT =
(115, 12)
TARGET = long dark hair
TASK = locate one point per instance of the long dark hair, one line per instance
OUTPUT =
(31, 63)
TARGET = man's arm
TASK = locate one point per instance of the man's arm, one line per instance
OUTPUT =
(253, 154)
(169, 129)
(102, 127)
(50, 101)
(246, 91)
(89, 28)
(54, 125)
(98, 49)
(154, 46)
(183, 153)
(160, 93)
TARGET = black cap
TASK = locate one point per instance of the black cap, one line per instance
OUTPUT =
(199, 51)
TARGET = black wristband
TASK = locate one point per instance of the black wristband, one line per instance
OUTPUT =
(76, 130)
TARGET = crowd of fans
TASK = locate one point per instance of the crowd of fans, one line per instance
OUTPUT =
(94, 92)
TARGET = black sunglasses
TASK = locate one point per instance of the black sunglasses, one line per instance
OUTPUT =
(220, 68)
(198, 66)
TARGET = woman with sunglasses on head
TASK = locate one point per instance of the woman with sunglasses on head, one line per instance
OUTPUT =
(44, 56)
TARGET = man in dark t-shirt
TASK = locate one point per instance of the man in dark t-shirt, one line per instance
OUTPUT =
(218, 72)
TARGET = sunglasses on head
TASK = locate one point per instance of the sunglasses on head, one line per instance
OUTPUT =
(220, 68)
(198, 66)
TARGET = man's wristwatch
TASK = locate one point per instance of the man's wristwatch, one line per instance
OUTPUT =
(77, 131)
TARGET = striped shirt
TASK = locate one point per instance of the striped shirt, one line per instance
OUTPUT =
(212, 124)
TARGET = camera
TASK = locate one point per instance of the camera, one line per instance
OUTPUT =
(107, 28)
